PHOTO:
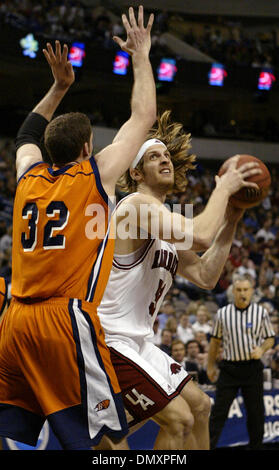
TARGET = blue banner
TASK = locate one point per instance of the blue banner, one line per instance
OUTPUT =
(235, 432)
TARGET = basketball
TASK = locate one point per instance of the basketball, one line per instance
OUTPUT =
(249, 197)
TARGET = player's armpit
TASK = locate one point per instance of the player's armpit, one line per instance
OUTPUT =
(27, 155)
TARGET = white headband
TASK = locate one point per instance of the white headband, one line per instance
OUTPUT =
(143, 149)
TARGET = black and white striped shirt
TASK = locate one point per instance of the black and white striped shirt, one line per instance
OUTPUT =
(241, 330)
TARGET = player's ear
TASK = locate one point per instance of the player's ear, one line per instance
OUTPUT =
(136, 174)
(86, 150)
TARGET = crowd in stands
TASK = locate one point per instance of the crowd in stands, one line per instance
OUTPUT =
(185, 321)
(63, 19)
(223, 39)
(70, 20)
(229, 41)
(234, 47)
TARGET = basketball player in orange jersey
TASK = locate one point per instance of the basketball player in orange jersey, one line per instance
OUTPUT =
(154, 385)
(54, 363)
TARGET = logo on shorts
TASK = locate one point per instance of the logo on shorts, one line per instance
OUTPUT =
(103, 405)
(175, 368)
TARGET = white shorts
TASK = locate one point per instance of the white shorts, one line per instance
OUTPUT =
(149, 379)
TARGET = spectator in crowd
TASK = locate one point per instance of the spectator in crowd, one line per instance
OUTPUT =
(198, 369)
(191, 311)
(193, 348)
(171, 324)
(203, 339)
(6, 239)
(266, 271)
(247, 267)
(265, 232)
(202, 320)
(184, 328)
(202, 366)
(166, 340)
(190, 363)
(196, 361)
(235, 256)
(167, 309)
(178, 352)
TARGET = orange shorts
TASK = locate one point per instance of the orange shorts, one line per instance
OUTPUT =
(54, 364)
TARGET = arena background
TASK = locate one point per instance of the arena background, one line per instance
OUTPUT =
(240, 40)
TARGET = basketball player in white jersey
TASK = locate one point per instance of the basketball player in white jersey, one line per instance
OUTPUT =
(153, 385)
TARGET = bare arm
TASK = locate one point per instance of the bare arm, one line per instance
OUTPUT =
(151, 215)
(116, 158)
(260, 350)
(210, 220)
(212, 370)
(206, 270)
(30, 153)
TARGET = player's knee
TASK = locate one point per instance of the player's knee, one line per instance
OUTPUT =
(202, 408)
(181, 424)
(188, 423)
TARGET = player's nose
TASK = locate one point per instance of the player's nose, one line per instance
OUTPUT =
(164, 158)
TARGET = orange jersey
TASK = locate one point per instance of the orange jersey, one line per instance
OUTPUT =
(3, 294)
(57, 215)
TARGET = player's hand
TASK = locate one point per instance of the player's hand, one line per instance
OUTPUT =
(235, 178)
(212, 373)
(257, 353)
(61, 68)
(138, 37)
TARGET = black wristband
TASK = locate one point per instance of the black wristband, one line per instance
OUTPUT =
(31, 131)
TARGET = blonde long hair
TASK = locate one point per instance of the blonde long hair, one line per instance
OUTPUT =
(178, 144)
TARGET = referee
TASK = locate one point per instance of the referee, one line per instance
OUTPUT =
(245, 332)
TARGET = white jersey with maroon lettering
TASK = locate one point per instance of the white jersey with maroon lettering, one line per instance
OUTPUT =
(136, 288)
(149, 378)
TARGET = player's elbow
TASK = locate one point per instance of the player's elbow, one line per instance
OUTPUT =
(202, 243)
(209, 285)
(205, 284)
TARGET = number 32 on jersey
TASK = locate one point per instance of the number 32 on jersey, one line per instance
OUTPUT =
(51, 241)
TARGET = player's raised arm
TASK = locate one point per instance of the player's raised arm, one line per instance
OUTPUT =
(116, 158)
(32, 129)
(209, 221)
(195, 234)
